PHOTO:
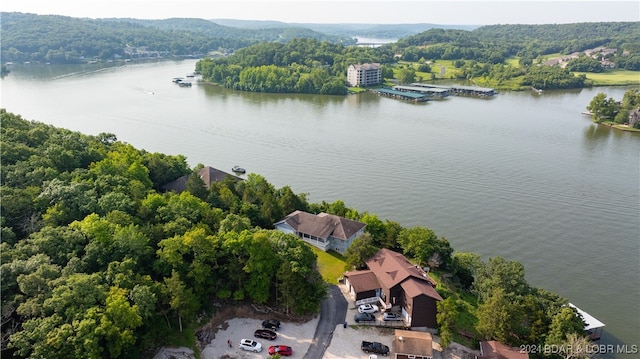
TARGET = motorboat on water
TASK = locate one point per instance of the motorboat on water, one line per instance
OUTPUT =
(238, 169)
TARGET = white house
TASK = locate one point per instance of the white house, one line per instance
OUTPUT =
(325, 231)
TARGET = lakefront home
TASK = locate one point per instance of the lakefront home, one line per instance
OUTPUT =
(325, 231)
(398, 286)
(207, 174)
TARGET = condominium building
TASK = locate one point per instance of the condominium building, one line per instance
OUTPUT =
(364, 74)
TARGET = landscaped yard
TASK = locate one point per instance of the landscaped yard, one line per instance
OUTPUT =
(330, 265)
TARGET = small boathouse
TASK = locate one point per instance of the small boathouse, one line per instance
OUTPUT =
(593, 327)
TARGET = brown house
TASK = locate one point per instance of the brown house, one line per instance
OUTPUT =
(413, 345)
(208, 175)
(496, 350)
(397, 285)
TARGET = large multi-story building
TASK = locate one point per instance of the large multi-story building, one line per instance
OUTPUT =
(364, 74)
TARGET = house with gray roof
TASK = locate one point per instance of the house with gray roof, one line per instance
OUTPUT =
(397, 285)
(208, 175)
(325, 231)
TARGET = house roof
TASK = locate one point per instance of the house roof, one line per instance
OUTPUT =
(496, 350)
(393, 268)
(367, 66)
(590, 321)
(207, 174)
(363, 280)
(322, 225)
(414, 288)
(413, 343)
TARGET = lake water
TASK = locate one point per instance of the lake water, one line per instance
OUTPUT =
(521, 175)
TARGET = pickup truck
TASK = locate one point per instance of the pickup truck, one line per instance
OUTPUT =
(375, 347)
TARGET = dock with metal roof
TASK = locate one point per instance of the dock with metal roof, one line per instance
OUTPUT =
(402, 95)
(461, 90)
(429, 91)
(592, 326)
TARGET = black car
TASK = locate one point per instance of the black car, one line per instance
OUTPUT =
(272, 324)
(265, 334)
(364, 317)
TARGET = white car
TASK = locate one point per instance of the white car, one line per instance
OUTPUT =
(367, 308)
(250, 345)
(391, 316)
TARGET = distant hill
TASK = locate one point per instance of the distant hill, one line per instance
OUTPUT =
(63, 39)
(381, 31)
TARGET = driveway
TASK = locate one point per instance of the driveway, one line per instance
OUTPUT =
(332, 313)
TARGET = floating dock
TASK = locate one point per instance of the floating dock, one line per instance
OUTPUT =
(461, 90)
(593, 327)
(429, 91)
(402, 95)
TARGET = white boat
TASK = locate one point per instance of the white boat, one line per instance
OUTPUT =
(238, 169)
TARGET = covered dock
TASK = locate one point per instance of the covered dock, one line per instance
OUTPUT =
(461, 90)
(429, 91)
(402, 95)
(593, 327)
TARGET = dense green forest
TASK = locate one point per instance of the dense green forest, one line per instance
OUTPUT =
(301, 65)
(97, 262)
(481, 55)
(61, 39)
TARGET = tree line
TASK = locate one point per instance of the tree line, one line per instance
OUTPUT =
(605, 109)
(62, 39)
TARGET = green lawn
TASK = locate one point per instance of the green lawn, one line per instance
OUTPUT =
(330, 265)
(613, 77)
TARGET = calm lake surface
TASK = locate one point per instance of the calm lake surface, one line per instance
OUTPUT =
(522, 176)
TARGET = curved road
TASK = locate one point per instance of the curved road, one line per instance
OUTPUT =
(333, 312)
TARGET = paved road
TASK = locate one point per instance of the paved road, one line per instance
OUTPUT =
(332, 313)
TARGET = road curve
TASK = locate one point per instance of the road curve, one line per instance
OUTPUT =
(332, 313)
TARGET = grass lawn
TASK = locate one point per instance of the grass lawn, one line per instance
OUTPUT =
(330, 265)
(619, 126)
(613, 77)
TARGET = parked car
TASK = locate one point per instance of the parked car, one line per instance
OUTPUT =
(375, 347)
(391, 316)
(272, 324)
(265, 334)
(364, 317)
(280, 349)
(367, 308)
(250, 345)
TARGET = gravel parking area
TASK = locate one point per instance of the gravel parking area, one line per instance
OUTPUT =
(345, 342)
(297, 336)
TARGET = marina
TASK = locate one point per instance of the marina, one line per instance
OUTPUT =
(421, 92)
(402, 95)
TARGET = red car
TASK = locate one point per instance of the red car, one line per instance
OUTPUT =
(280, 349)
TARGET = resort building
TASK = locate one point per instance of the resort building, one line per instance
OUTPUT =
(364, 74)
(325, 231)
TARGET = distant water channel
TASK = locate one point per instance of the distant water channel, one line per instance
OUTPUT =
(520, 175)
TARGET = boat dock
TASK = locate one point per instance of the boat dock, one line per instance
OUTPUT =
(402, 95)
(429, 91)
(593, 327)
(460, 90)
